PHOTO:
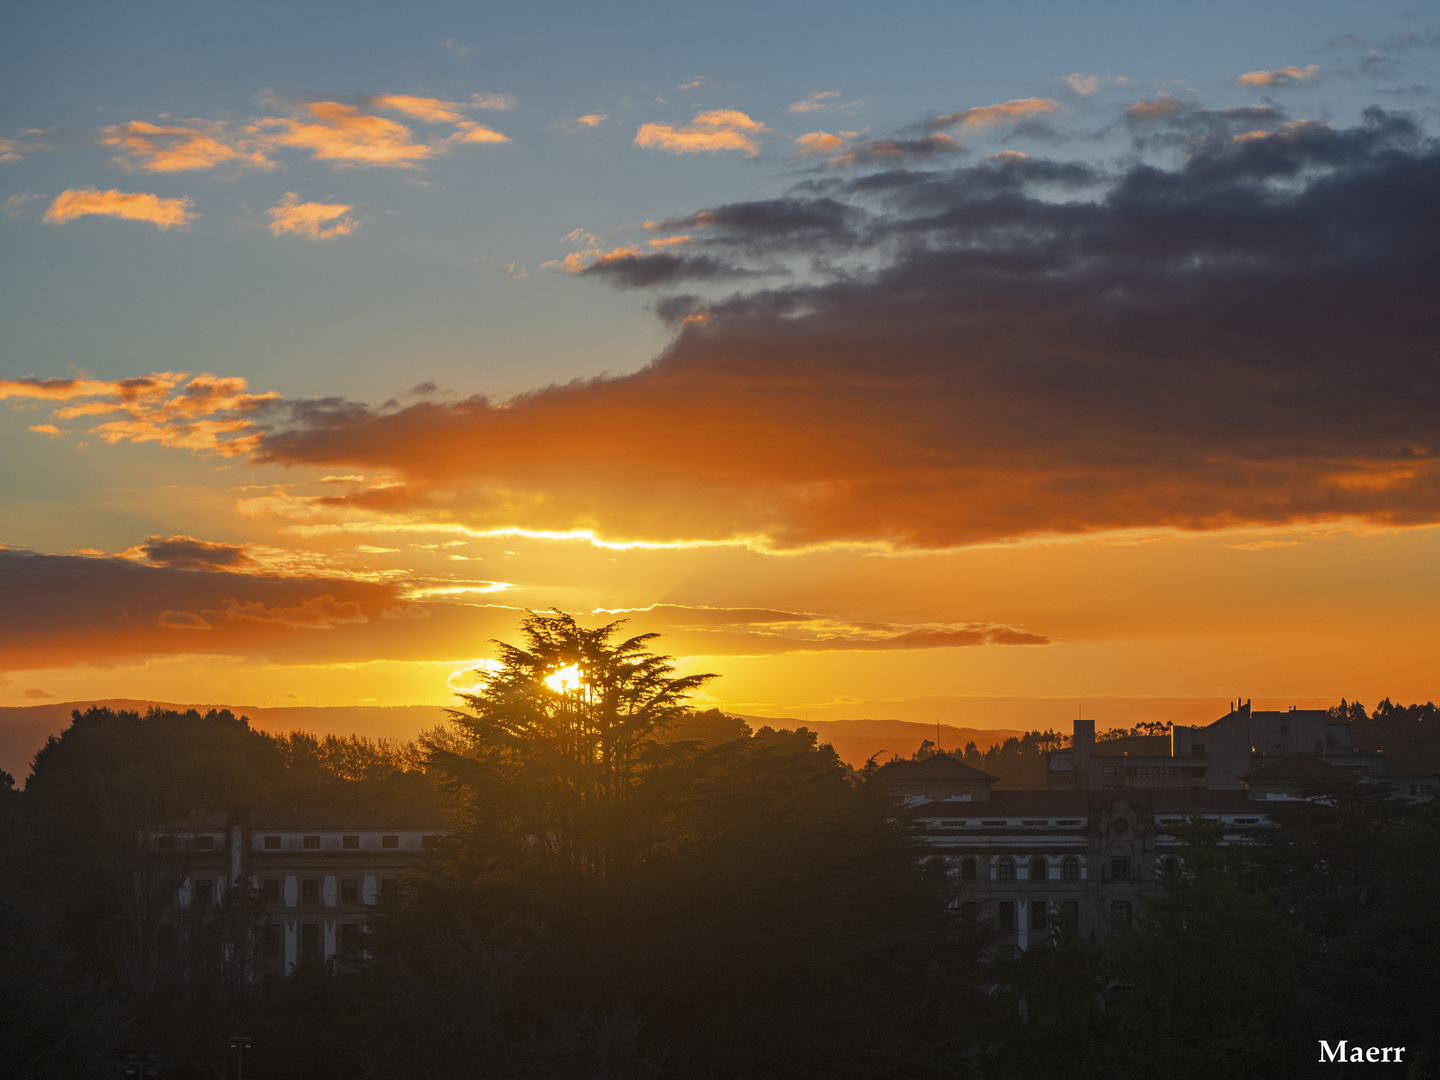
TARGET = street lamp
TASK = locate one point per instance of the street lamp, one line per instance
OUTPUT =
(240, 1043)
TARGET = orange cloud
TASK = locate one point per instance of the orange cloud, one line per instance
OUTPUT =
(130, 206)
(430, 110)
(187, 145)
(994, 115)
(316, 613)
(471, 132)
(345, 135)
(309, 219)
(182, 620)
(1154, 109)
(203, 413)
(592, 119)
(1278, 76)
(708, 133)
(819, 142)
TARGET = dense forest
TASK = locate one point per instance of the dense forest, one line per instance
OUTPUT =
(632, 889)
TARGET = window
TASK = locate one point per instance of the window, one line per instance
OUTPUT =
(952, 823)
(1068, 822)
(272, 843)
(1120, 911)
(1070, 869)
(167, 842)
(389, 888)
(1120, 869)
(429, 841)
(1005, 869)
(310, 939)
(350, 891)
(389, 841)
(1070, 914)
(350, 842)
(967, 869)
(205, 843)
(1171, 864)
(1038, 870)
(311, 843)
(1247, 821)
(270, 890)
(310, 891)
(1038, 914)
(1007, 914)
(994, 824)
(270, 941)
(350, 940)
(1033, 824)
(203, 891)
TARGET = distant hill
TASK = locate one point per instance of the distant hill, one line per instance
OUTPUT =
(24, 729)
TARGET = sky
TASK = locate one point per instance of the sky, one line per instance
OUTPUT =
(905, 361)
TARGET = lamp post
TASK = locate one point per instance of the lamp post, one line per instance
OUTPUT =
(240, 1043)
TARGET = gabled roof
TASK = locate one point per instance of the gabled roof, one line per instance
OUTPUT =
(936, 769)
(1295, 767)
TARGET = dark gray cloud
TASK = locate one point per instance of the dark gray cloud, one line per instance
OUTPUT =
(187, 553)
(1247, 335)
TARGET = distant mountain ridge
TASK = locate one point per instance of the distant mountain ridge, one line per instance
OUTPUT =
(24, 729)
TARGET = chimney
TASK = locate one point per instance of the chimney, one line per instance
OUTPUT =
(1082, 742)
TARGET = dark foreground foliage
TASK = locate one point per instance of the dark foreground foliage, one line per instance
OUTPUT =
(706, 902)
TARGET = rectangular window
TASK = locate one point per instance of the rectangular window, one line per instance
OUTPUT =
(1032, 824)
(1247, 821)
(951, 823)
(310, 891)
(1068, 822)
(389, 841)
(270, 941)
(1120, 869)
(350, 890)
(205, 843)
(310, 939)
(165, 843)
(1120, 912)
(203, 891)
(389, 888)
(270, 890)
(311, 843)
(1070, 914)
(350, 842)
(1007, 914)
(350, 940)
(272, 843)
(994, 824)
(1038, 914)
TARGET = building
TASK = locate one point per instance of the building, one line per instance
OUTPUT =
(311, 876)
(1029, 859)
(1214, 757)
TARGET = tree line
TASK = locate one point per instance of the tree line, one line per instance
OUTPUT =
(631, 888)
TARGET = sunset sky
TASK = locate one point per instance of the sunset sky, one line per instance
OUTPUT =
(889, 360)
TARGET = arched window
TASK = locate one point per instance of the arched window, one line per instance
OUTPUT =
(1005, 869)
(967, 869)
(1038, 870)
(1070, 869)
(1172, 864)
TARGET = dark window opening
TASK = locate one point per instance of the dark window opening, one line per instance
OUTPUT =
(967, 869)
(165, 843)
(1070, 914)
(1038, 914)
(310, 939)
(272, 843)
(389, 841)
(1005, 869)
(1007, 914)
(311, 842)
(1038, 870)
(270, 890)
(1120, 869)
(1070, 869)
(204, 891)
(1171, 864)
(350, 940)
(389, 888)
(205, 843)
(350, 842)
(1121, 912)
(350, 891)
(310, 891)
